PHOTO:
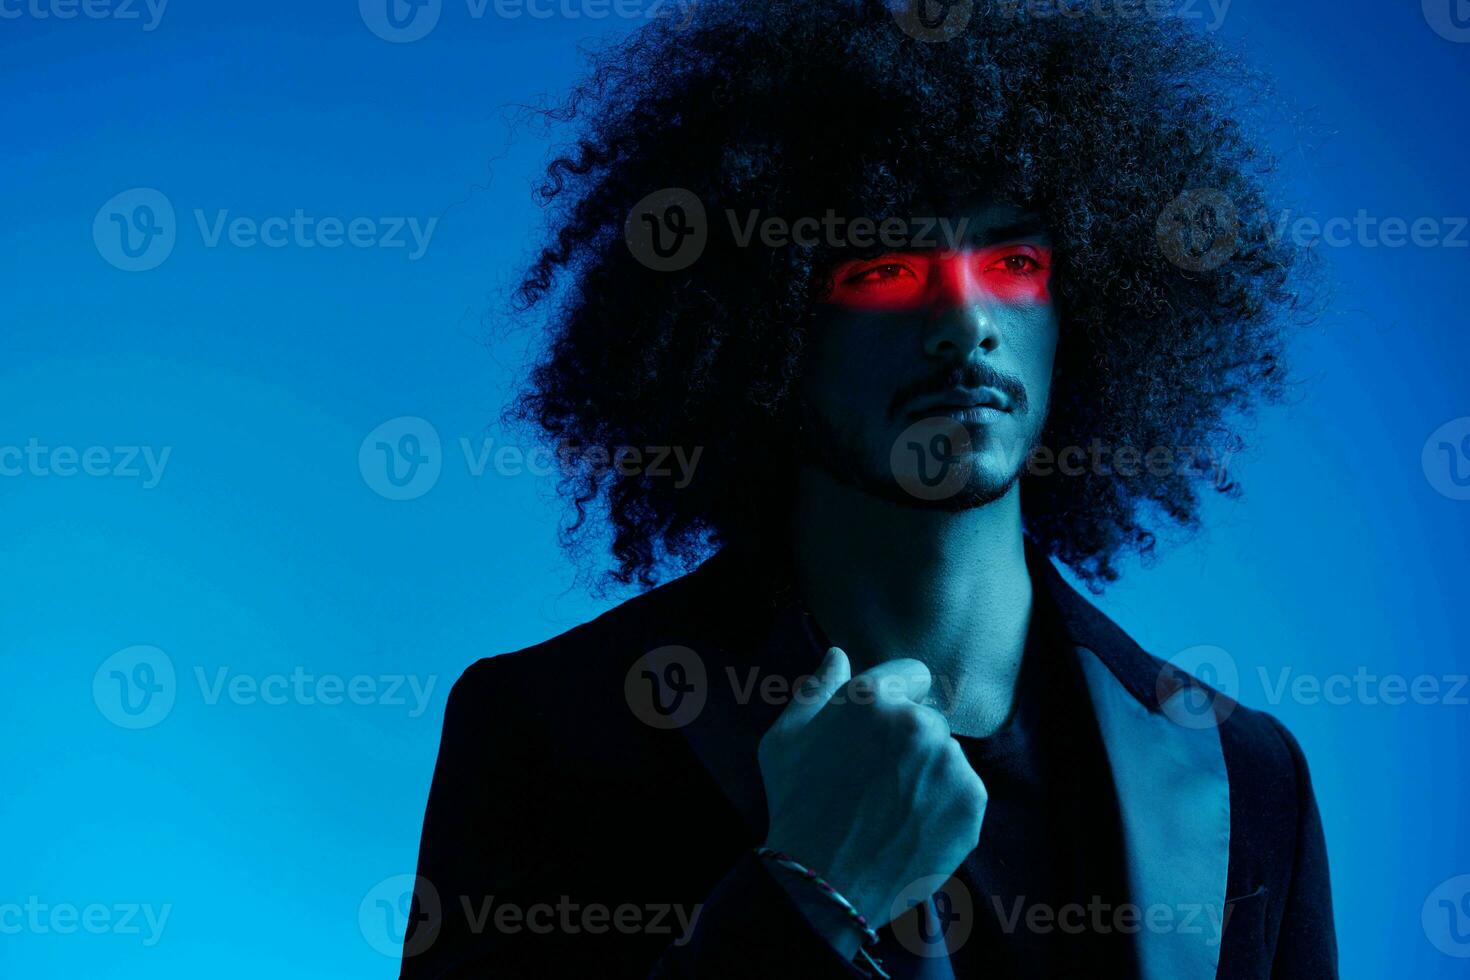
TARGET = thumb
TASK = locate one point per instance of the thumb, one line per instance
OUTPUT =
(812, 694)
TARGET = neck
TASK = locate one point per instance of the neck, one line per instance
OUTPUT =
(948, 589)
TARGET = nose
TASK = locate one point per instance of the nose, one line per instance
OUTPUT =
(962, 315)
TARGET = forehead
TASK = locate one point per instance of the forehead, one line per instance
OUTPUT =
(987, 223)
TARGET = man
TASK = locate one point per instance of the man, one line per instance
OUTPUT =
(877, 733)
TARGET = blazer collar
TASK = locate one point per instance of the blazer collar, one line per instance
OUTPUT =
(1172, 786)
(1086, 626)
(749, 629)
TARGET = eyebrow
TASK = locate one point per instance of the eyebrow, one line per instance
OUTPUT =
(1029, 226)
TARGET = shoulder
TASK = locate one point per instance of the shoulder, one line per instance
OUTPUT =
(586, 649)
(1260, 751)
(1261, 755)
(1271, 796)
(572, 685)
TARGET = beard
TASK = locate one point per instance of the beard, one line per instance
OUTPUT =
(905, 474)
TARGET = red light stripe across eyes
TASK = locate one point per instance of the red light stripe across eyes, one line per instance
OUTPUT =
(1011, 274)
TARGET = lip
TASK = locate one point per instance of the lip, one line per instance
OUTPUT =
(975, 415)
(964, 401)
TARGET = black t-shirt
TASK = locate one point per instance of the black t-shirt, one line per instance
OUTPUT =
(1042, 889)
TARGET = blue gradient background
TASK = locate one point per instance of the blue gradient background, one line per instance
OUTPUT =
(262, 828)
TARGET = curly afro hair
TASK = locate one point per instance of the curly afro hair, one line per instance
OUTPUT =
(1097, 123)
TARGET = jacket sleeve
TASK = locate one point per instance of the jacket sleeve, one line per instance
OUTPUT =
(483, 841)
(1306, 946)
(471, 805)
(749, 927)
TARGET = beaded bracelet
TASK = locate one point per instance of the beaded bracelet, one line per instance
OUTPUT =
(870, 936)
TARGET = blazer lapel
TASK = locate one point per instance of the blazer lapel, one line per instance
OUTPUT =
(1170, 777)
(1173, 791)
(727, 732)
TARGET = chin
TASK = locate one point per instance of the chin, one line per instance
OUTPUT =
(985, 470)
(984, 482)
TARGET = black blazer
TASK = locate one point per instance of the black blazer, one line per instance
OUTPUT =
(574, 829)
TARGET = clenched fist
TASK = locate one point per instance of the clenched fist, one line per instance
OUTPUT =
(865, 785)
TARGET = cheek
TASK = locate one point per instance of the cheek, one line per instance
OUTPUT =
(836, 370)
(860, 354)
(1034, 342)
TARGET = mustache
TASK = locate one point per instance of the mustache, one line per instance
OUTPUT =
(973, 374)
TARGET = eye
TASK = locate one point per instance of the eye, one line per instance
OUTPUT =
(880, 275)
(886, 282)
(1022, 263)
(1018, 273)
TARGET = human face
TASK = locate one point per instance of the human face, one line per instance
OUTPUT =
(932, 369)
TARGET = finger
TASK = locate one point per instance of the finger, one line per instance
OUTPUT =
(903, 678)
(813, 693)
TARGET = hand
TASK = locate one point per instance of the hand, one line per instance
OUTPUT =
(865, 785)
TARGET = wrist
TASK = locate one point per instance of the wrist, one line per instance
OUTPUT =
(837, 875)
(826, 917)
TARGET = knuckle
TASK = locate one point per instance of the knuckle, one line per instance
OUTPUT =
(974, 797)
(938, 723)
(904, 720)
(933, 728)
(918, 724)
(916, 670)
